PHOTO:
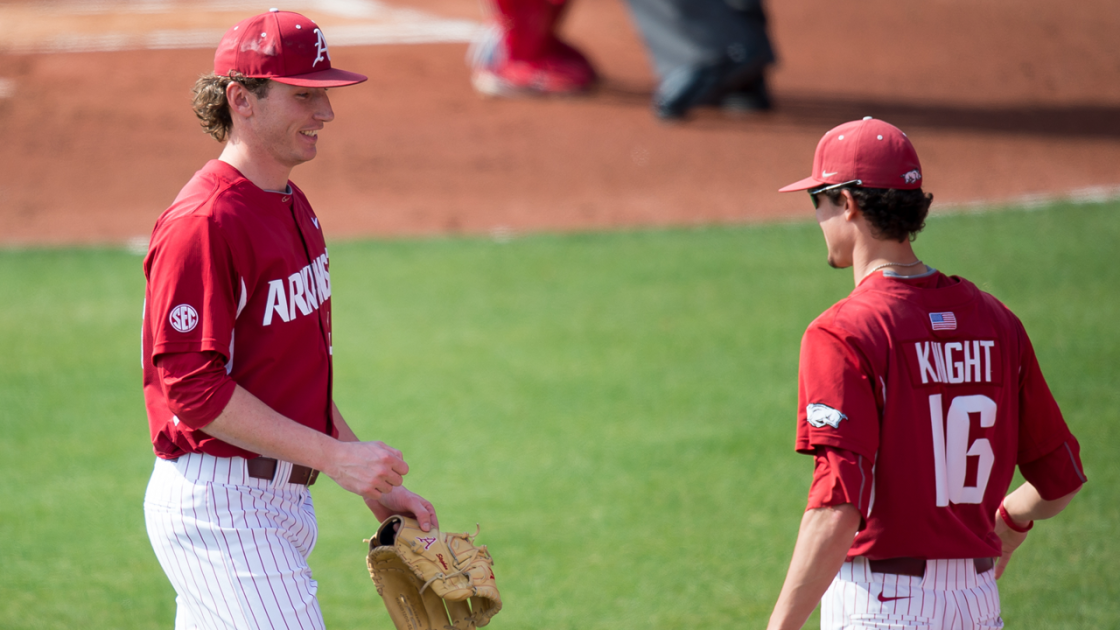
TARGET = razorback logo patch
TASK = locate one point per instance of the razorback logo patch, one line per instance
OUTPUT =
(819, 415)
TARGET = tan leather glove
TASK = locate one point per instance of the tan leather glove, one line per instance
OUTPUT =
(432, 580)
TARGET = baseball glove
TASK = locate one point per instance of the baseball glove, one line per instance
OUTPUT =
(432, 580)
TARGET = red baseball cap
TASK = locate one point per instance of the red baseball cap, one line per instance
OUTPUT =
(283, 46)
(871, 152)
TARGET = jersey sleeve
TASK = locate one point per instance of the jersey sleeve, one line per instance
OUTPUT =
(192, 288)
(1057, 473)
(1041, 425)
(836, 397)
(196, 384)
(840, 477)
(1049, 455)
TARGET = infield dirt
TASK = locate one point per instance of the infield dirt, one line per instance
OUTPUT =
(1003, 99)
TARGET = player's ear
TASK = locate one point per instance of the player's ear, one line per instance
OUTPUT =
(238, 98)
(850, 205)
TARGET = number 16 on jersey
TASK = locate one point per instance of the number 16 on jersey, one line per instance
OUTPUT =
(951, 450)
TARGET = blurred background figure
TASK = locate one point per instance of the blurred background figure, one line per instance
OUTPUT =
(706, 53)
(519, 53)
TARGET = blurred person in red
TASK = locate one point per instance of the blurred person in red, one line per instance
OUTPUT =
(520, 53)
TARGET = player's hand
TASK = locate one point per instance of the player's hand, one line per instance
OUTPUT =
(1010, 541)
(405, 502)
(370, 469)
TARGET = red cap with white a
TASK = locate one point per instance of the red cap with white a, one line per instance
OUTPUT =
(871, 152)
(283, 46)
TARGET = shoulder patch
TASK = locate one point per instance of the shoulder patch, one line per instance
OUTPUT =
(183, 318)
(819, 415)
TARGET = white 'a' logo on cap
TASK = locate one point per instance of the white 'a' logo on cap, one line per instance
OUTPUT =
(320, 48)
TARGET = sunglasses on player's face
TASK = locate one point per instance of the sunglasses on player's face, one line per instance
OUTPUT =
(813, 192)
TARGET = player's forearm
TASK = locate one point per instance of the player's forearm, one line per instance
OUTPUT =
(822, 544)
(1025, 504)
(250, 424)
(345, 433)
(369, 469)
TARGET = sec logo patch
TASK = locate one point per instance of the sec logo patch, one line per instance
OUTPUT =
(183, 318)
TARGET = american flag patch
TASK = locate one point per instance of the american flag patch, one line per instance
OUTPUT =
(943, 321)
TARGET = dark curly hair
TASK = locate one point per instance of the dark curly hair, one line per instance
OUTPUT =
(210, 101)
(894, 215)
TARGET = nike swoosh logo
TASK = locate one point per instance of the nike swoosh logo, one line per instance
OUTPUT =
(316, 222)
(823, 174)
(891, 599)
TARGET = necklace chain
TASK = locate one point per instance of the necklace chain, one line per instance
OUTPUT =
(893, 264)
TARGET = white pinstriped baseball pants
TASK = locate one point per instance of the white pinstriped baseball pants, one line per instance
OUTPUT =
(235, 548)
(951, 596)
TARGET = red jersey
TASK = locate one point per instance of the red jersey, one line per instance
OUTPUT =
(933, 386)
(242, 272)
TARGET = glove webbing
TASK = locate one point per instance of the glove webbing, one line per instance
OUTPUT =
(464, 565)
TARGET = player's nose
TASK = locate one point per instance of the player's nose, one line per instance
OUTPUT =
(323, 109)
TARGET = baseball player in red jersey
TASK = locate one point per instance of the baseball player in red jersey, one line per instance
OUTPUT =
(918, 395)
(237, 348)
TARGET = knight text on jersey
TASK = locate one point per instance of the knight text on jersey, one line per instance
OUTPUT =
(954, 362)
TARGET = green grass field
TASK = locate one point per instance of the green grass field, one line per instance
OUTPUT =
(616, 410)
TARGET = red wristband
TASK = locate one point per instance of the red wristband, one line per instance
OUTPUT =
(1010, 523)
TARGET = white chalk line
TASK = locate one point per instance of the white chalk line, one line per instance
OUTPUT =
(392, 26)
(1033, 201)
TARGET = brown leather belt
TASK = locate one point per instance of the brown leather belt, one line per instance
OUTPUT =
(265, 468)
(916, 567)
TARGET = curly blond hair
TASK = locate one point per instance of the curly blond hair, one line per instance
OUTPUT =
(210, 101)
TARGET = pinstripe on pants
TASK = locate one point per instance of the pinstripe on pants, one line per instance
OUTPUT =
(951, 596)
(235, 548)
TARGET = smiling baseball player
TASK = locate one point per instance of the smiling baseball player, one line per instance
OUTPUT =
(918, 396)
(237, 348)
